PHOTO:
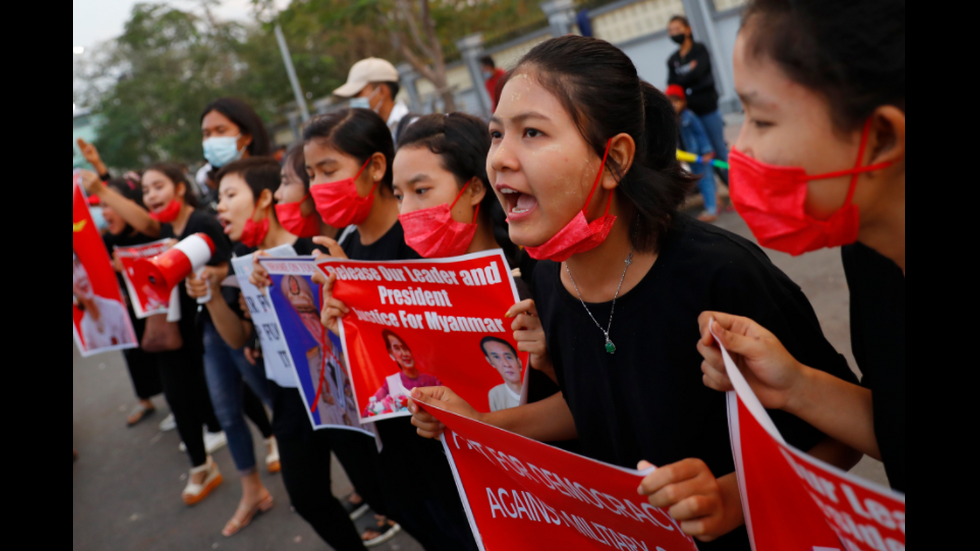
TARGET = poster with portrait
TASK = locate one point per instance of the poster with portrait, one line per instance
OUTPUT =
(424, 323)
(100, 320)
(144, 305)
(314, 353)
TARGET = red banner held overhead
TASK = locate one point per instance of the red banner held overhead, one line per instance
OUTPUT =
(794, 501)
(424, 323)
(100, 321)
(523, 495)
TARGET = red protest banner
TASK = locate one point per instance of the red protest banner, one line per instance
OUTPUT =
(426, 323)
(523, 495)
(100, 321)
(794, 501)
(144, 304)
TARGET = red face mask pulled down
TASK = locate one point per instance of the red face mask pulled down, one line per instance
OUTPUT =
(169, 213)
(772, 200)
(579, 235)
(291, 218)
(433, 233)
(253, 234)
(340, 205)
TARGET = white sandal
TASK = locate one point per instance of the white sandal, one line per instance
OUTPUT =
(272, 460)
(196, 493)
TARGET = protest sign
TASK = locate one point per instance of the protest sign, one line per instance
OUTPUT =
(794, 501)
(144, 305)
(423, 323)
(275, 356)
(100, 320)
(522, 495)
(315, 354)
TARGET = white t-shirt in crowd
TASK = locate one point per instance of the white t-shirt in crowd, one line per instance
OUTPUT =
(502, 397)
(111, 330)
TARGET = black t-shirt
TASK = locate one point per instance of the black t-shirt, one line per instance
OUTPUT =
(878, 339)
(698, 81)
(390, 247)
(199, 222)
(648, 401)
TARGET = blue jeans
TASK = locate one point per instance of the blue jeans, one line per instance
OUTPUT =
(226, 369)
(714, 125)
(707, 187)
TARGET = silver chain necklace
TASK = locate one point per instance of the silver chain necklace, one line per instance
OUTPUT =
(610, 346)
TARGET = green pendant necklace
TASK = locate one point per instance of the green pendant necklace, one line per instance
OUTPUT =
(610, 346)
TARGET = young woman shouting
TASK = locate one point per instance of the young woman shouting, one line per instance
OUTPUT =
(584, 161)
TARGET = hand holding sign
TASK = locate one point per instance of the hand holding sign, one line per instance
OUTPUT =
(707, 508)
(333, 309)
(442, 398)
(260, 276)
(530, 337)
(769, 368)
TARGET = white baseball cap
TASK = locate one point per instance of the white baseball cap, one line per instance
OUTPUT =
(366, 72)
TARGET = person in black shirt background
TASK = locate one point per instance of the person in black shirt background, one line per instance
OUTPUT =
(173, 215)
(690, 68)
(619, 299)
(143, 368)
(811, 103)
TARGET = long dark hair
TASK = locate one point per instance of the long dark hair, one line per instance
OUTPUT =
(462, 143)
(246, 119)
(176, 175)
(598, 85)
(130, 189)
(850, 51)
(260, 173)
(359, 133)
(296, 160)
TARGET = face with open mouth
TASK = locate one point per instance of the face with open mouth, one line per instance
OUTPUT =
(236, 205)
(158, 191)
(539, 165)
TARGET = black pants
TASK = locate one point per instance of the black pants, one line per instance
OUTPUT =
(182, 375)
(420, 489)
(358, 454)
(305, 457)
(144, 370)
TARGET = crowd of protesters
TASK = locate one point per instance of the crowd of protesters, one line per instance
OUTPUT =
(819, 163)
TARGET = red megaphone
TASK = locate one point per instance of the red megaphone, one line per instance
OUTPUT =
(158, 276)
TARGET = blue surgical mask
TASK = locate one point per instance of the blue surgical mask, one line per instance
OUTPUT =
(365, 103)
(222, 151)
(98, 218)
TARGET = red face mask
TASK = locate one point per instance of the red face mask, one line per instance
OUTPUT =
(254, 232)
(291, 218)
(579, 235)
(433, 233)
(340, 205)
(169, 213)
(772, 200)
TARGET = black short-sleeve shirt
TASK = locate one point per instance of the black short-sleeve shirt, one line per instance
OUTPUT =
(191, 315)
(648, 401)
(390, 247)
(878, 339)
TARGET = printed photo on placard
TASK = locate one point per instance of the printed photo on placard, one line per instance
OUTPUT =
(316, 357)
(100, 320)
(144, 305)
(417, 324)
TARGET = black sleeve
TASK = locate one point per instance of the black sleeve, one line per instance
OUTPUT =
(167, 232)
(700, 74)
(753, 287)
(208, 225)
(672, 70)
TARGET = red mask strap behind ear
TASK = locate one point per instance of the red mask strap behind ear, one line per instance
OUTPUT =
(598, 179)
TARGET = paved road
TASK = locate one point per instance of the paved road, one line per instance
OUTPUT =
(126, 486)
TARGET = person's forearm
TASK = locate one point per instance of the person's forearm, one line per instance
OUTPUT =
(133, 214)
(227, 322)
(837, 408)
(546, 421)
(101, 169)
(731, 497)
(837, 454)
